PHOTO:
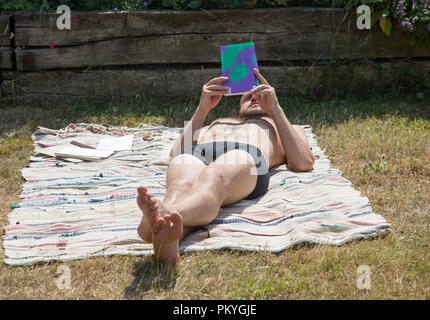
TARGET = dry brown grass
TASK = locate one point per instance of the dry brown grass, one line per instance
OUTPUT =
(383, 150)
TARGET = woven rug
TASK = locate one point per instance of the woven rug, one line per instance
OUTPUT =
(73, 209)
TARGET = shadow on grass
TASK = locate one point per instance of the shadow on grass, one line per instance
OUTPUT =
(174, 112)
(151, 275)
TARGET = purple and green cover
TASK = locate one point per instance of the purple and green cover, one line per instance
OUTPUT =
(237, 63)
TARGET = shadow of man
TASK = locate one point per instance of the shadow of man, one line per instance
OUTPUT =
(151, 275)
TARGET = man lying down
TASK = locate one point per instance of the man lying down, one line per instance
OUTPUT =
(225, 162)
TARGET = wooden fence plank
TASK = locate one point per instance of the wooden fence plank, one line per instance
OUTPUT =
(4, 31)
(34, 30)
(5, 51)
(5, 58)
(176, 82)
(204, 48)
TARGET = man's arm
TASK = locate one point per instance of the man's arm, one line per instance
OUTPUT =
(293, 139)
(212, 93)
(294, 142)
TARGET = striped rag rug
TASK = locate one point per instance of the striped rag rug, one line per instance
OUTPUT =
(73, 209)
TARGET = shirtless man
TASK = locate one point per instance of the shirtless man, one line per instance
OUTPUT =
(208, 174)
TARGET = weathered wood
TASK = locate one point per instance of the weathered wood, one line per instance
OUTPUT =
(5, 51)
(204, 48)
(4, 31)
(181, 48)
(158, 37)
(34, 30)
(149, 51)
(173, 82)
(5, 58)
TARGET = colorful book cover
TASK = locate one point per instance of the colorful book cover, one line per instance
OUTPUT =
(237, 63)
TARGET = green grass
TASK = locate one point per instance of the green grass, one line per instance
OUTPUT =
(381, 142)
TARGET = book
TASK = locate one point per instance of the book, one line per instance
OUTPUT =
(105, 148)
(51, 151)
(237, 63)
(80, 144)
(83, 153)
(123, 143)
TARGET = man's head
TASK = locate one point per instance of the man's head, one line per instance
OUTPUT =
(249, 107)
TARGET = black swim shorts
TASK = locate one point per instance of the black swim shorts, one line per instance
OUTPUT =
(209, 151)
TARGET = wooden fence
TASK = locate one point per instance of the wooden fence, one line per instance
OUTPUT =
(173, 53)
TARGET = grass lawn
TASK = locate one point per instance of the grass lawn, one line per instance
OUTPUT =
(381, 142)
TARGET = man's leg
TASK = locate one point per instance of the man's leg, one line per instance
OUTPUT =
(183, 170)
(225, 181)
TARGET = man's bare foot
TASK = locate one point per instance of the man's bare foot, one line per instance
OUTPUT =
(153, 210)
(148, 204)
(166, 240)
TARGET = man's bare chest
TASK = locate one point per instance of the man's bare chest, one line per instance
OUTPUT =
(251, 130)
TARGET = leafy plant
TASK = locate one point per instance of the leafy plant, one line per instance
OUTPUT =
(16, 5)
(412, 16)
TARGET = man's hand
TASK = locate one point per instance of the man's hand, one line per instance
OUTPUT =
(212, 93)
(265, 94)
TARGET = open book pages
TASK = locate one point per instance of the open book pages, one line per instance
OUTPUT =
(116, 144)
(83, 153)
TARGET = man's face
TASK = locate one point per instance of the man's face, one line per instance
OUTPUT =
(249, 107)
